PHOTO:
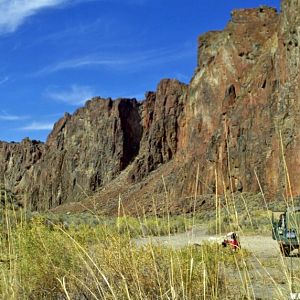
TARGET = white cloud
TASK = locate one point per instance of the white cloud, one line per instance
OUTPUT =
(3, 80)
(134, 60)
(78, 63)
(4, 116)
(75, 95)
(38, 126)
(13, 13)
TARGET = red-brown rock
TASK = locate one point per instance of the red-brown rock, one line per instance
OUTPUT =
(236, 123)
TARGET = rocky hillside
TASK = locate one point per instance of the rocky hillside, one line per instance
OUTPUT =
(235, 125)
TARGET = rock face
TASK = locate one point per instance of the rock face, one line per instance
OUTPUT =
(230, 112)
(84, 151)
(288, 105)
(161, 115)
(236, 123)
(16, 161)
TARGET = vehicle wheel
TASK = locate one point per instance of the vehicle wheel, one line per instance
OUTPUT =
(285, 250)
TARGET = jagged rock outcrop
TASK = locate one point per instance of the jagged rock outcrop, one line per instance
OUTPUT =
(231, 101)
(16, 160)
(235, 124)
(84, 151)
(287, 68)
(161, 116)
(259, 125)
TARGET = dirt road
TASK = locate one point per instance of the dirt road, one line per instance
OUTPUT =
(270, 273)
(262, 246)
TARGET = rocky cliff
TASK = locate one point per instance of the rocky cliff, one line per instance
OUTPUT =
(235, 125)
(84, 151)
(231, 112)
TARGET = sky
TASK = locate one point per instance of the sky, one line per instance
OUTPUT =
(56, 54)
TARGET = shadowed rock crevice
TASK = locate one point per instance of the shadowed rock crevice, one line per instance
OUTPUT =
(162, 113)
(132, 131)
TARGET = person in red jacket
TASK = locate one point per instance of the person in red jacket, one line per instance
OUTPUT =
(232, 241)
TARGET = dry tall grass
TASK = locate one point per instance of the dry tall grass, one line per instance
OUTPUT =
(42, 262)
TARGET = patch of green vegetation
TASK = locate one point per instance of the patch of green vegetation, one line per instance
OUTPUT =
(103, 262)
(88, 256)
(135, 227)
(244, 212)
(153, 226)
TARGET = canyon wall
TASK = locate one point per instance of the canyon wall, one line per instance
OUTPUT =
(235, 124)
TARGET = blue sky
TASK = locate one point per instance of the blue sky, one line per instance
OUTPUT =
(55, 54)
